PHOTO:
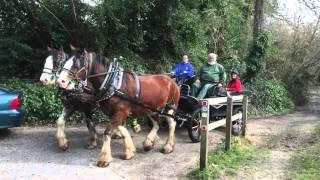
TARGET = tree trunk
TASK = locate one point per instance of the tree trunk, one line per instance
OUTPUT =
(258, 18)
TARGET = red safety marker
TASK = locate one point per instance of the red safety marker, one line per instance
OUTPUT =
(204, 103)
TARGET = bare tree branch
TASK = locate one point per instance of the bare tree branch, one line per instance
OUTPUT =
(74, 12)
(56, 18)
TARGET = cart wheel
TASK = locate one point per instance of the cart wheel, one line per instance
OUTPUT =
(237, 125)
(194, 126)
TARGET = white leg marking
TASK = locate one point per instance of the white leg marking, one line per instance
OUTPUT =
(168, 147)
(105, 155)
(61, 136)
(151, 137)
(129, 148)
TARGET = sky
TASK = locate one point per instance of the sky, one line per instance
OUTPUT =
(295, 10)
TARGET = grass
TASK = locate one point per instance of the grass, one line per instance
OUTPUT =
(222, 162)
(305, 163)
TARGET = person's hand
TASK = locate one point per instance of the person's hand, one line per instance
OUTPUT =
(219, 85)
(185, 72)
(198, 81)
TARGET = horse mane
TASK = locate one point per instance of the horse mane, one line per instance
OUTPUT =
(54, 53)
(97, 60)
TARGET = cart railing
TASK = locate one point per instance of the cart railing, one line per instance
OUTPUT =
(205, 126)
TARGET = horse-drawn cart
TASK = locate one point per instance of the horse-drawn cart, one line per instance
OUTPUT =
(189, 113)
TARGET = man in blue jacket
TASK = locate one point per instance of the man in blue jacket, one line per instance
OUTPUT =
(183, 70)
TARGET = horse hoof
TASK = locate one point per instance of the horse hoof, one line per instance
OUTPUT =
(137, 129)
(103, 164)
(90, 146)
(147, 148)
(167, 149)
(127, 156)
(64, 147)
(148, 145)
(63, 144)
(116, 136)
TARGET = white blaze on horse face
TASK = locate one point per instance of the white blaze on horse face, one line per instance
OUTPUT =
(64, 79)
(47, 76)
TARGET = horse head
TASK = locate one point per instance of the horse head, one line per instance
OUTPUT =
(73, 70)
(52, 65)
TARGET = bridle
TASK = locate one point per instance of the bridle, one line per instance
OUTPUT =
(79, 84)
(54, 71)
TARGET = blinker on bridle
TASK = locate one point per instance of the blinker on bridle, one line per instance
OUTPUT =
(53, 71)
(74, 74)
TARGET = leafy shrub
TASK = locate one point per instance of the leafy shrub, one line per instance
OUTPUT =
(42, 103)
(270, 96)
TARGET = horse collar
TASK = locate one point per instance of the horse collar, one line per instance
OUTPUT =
(111, 82)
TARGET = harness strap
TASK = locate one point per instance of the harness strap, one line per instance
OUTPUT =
(136, 78)
(102, 87)
(138, 102)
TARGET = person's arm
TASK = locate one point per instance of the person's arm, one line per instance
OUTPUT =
(238, 86)
(191, 71)
(200, 74)
(175, 70)
(222, 75)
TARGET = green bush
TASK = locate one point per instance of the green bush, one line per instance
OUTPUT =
(42, 103)
(270, 96)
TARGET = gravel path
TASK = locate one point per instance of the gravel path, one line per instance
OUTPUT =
(32, 153)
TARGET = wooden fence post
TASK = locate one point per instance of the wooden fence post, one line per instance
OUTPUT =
(205, 114)
(244, 115)
(228, 123)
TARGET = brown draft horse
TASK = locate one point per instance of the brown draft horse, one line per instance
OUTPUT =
(158, 93)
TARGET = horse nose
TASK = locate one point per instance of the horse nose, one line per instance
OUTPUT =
(45, 80)
(63, 81)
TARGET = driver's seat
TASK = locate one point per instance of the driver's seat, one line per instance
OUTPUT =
(185, 87)
(185, 90)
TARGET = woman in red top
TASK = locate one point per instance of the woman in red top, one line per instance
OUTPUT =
(235, 85)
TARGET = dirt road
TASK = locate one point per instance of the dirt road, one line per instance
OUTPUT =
(32, 153)
(281, 136)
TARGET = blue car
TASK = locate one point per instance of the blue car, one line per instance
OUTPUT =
(11, 110)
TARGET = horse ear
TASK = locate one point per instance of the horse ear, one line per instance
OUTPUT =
(61, 49)
(72, 47)
(81, 74)
(49, 48)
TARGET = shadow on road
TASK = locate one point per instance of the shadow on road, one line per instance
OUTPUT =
(4, 133)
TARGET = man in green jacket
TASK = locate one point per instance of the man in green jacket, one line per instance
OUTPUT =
(211, 74)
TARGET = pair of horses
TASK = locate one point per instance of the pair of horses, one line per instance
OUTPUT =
(120, 94)
(71, 103)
